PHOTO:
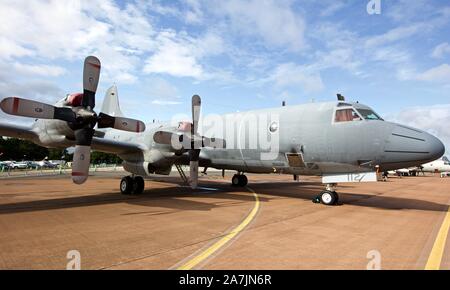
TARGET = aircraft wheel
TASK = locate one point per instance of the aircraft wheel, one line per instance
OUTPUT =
(138, 185)
(336, 196)
(126, 185)
(328, 197)
(243, 181)
(236, 180)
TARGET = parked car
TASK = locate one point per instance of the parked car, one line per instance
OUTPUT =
(58, 162)
(33, 165)
(46, 164)
(19, 165)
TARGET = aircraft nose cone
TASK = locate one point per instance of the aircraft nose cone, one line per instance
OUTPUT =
(412, 147)
(435, 147)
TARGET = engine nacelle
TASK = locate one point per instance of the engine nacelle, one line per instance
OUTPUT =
(138, 168)
(145, 168)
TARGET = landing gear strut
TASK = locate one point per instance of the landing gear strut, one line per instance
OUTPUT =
(132, 185)
(239, 180)
(329, 196)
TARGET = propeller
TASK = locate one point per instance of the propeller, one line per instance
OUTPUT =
(190, 141)
(194, 152)
(81, 119)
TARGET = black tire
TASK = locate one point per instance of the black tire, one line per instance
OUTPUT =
(336, 196)
(236, 180)
(328, 197)
(126, 185)
(243, 181)
(138, 185)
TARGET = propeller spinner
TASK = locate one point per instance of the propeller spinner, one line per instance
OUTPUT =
(81, 119)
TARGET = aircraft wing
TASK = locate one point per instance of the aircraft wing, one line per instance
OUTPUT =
(116, 147)
(17, 131)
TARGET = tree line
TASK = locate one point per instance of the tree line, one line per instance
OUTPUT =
(18, 150)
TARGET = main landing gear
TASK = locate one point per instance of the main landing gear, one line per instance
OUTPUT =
(132, 185)
(329, 196)
(239, 180)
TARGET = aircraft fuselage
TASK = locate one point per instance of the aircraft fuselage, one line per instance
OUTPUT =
(304, 139)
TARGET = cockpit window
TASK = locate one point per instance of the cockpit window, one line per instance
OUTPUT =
(346, 115)
(369, 114)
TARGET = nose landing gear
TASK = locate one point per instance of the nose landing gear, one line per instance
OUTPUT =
(132, 185)
(329, 196)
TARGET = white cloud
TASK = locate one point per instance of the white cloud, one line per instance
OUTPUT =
(161, 89)
(439, 73)
(290, 74)
(121, 36)
(391, 54)
(37, 69)
(37, 89)
(9, 49)
(364, 56)
(332, 7)
(43, 91)
(72, 29)
(174, 57)
(396, 34)
(275, 22)
(433, 119)
(156, 6)
(441, 50)
(341, 57)
(179, 55)
(406, 10)
(194, 15)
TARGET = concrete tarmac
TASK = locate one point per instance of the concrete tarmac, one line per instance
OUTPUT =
(272, 224)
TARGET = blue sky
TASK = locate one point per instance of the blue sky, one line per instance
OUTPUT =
(238, 55)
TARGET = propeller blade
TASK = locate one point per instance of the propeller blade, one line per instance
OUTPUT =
(91, 75)
(32, 109)
(82, 155)
(81, 163)
(193, 167)
(120, 123)
(196, 106)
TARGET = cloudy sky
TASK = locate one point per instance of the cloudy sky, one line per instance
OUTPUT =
(238, 55)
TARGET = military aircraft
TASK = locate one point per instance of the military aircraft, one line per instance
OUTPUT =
(340, 141)
(441, 165)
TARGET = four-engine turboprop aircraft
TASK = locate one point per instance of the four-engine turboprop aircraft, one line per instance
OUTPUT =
(340, 141)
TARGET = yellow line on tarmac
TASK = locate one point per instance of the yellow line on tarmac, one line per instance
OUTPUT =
(434, 261)
(223, 241)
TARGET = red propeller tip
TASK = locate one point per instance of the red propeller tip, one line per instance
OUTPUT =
(95, 65)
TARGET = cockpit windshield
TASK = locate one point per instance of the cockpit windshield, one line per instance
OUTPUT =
(346, 115)
(352, 113)
(369, 114)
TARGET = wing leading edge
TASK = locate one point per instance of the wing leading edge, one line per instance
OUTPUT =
(17, 131)
(116, 147)
(100, 144)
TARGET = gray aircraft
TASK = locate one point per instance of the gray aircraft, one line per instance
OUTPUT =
(340, 141)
